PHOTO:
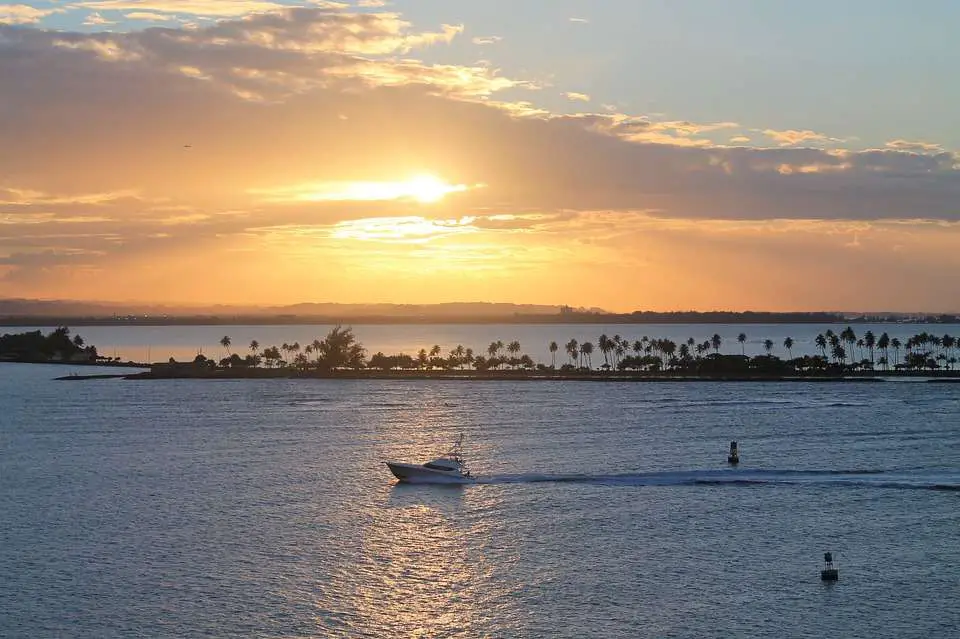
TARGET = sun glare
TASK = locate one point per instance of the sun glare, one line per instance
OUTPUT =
(424, 188)
(428, 188)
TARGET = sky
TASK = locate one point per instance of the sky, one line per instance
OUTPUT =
(621, 154)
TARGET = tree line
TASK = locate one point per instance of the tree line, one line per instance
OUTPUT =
(842, 351)
(56, 346)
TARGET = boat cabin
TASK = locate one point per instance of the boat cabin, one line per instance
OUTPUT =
(443, 463)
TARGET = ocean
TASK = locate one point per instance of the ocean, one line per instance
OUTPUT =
(241, 508)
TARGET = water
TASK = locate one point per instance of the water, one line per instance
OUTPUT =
(159, 343)
(262, 508)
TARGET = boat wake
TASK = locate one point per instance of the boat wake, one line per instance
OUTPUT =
(946, 481)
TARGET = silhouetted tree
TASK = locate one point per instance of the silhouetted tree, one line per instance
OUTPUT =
(788, 344)
(586, 349)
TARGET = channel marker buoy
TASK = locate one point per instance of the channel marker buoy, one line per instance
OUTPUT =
(734, 456)
(830, 570)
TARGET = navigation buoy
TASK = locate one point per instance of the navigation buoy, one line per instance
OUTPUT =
(830, 570)
(734, 456)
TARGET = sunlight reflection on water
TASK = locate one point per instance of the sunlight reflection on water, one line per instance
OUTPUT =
(263, 508)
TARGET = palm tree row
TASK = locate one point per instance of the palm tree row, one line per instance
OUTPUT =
(843, 350)
(339, 349)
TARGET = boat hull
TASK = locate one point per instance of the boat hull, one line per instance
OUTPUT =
(414, 474)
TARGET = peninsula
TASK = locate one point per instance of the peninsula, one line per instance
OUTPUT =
(842, 355)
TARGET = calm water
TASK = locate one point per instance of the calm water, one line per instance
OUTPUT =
(262, 508)
(158, 343)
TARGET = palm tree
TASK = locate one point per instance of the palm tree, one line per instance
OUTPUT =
(272, 356)
(513, 348)
(225, 342)
(254, 346)
(435, 351)
(768, 346)
(839, 352)
(459, 353)
(949, 342)
(848, 336)
(870, 341)
(605, 346)
(572, 347)
(821, 343)
(586, 349)
(788, 344)
(715, 342)
(884, 345)
(492, 360)
(422, 358)
(742, 338)
(553, 354)
(895, 343)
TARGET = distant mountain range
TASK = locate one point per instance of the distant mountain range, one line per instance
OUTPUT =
(22, 312)
(67, 308)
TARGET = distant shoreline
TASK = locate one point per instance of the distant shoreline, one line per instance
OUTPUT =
(639, 318)
(505, 376)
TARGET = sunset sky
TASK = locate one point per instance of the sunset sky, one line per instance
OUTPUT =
(623, 154)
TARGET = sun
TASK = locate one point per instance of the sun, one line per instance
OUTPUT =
(427, 188)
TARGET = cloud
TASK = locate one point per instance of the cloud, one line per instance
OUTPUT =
(23, 14)
(577, 97)
(919, 147)
(95, 19)
(217, 8)
(424, 188)
(579, 20)
(486, 40)
(167, 140)
(308, 96)
(147, 16)
(793, 137)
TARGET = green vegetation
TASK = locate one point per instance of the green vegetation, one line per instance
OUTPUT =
(56, 346)
(840, 354)
(339, 350)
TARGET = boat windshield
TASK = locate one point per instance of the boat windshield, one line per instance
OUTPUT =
(445, 465)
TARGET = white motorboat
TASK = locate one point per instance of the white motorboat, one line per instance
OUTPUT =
(447, 469)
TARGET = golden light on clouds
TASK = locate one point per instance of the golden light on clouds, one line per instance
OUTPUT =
(425, 188)
(400, 229)
(312, 152)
